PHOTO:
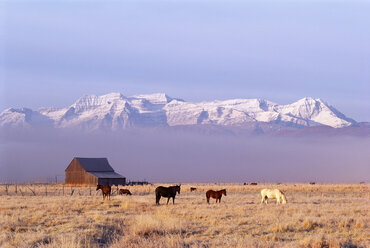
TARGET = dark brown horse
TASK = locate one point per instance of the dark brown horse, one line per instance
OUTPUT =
(166, 192)
(124, 191)
(193, 189)
(105, 189)
(215, 194)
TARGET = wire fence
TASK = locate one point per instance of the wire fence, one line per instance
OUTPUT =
(49, 189)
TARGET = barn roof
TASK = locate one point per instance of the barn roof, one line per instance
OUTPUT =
(106, 174)
(95, 164)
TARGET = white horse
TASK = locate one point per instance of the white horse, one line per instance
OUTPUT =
(272, 193)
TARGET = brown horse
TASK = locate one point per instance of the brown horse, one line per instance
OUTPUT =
(124, 191)
(105, 189)
(193, 189)
(166, 192)
(215, 194)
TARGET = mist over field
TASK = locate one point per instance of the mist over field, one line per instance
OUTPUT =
(165, 155)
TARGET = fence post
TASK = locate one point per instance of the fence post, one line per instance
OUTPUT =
(90, 190)
(16, 189)
(6, 188)
(33, 191)
(46, 190)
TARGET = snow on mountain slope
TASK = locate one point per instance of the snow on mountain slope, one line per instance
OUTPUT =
(23, 117)
(114, 111)
(315, 112)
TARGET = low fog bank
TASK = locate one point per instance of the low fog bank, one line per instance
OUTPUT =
(160, 156)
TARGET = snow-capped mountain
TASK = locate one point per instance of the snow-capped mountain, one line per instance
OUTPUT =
(115, 111)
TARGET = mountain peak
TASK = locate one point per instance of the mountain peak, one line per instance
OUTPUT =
(113, 96)
(156, 98)
(307, 99)
(96, 99)
(311, 100)
(91, 101)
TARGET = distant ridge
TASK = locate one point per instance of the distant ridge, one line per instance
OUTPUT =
(115, 111)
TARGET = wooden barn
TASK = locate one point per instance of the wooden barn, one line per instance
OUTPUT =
(92, 171)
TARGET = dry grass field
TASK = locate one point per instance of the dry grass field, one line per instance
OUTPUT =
(315, 216)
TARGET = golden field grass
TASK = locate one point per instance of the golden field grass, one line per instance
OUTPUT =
(315, 216)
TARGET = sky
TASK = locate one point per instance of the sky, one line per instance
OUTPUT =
(53, 52)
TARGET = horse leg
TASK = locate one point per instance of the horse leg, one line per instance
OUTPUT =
(157, 198)
(208, 200)
(173, 200)
(219, 200)
(168, 199)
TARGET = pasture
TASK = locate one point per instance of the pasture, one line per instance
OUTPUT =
(315, 216)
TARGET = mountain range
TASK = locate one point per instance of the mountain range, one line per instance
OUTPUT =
(115, 111)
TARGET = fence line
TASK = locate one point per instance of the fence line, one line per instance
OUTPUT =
(49, 189)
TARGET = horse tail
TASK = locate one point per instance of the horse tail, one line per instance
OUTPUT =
(208, 194)
(283, 197)
(263, 196)
(157, 196)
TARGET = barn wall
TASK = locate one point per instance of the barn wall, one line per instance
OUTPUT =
(76, 174)
(80, 178)
(90, 179)
(74, 166)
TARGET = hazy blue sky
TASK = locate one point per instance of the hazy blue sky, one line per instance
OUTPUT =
(53, 52)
